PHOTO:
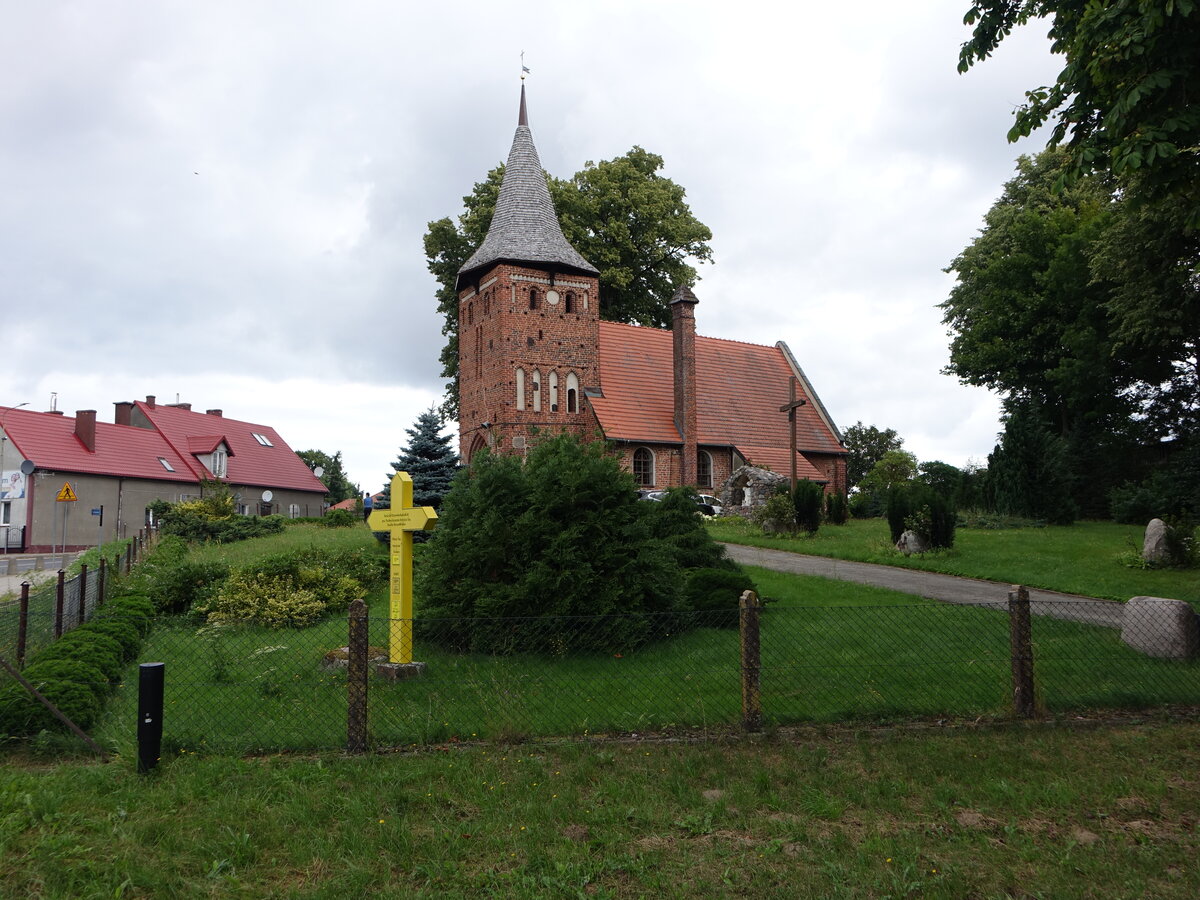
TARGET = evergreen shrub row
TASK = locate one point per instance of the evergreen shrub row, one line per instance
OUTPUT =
(78, 671)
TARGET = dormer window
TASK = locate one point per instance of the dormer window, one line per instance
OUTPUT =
(220, 462)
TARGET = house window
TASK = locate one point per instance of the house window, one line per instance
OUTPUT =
(219, 463)
(643, 466)
(534, 300)
(293, 510)
(6, 512)
(166, 464)
(262, 439)
(520, 388)
(704, 469)
(569, 302)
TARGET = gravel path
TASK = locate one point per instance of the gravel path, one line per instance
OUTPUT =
(933, 585)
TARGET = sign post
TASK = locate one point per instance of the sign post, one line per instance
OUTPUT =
(65, 495)
(400, 522)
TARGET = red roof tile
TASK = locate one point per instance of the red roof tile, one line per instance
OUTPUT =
(121, 450)
(740, 388)
(251, 462)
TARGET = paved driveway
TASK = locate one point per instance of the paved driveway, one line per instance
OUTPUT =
(935, 586)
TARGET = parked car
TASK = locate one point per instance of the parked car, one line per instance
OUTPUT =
(708, 504)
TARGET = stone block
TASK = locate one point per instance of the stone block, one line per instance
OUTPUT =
(1154, 547)
(1162, 628)
(390, 671)
(910, 542)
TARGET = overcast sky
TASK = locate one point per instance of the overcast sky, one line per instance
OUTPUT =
(224, 201)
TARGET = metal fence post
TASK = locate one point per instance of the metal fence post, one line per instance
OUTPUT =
(1021, 647)
(83, 580)
(749, 612)
(356, 680)
(58, 604)
(22, 624)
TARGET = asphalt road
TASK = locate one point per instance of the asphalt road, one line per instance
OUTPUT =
(933, 585)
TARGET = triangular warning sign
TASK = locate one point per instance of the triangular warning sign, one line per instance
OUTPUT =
(66, 494)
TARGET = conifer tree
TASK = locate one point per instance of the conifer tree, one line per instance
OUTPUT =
(430, 461)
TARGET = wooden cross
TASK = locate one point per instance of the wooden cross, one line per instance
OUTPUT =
(790, 408)
(401, 521)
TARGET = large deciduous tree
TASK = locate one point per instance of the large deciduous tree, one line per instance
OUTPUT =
(867, 445)
(629, 221)
(334, 476)
(1125, 101)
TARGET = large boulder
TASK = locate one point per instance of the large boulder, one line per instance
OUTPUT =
(910, 542)
(1154, 547)
(1160, 627)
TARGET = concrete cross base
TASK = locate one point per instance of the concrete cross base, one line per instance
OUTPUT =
(390, 671)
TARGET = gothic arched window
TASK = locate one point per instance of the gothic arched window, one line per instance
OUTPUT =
(572, 392)
(643, 466)
(535, 299)
(520, 388)
(569, 303)
(704, 469)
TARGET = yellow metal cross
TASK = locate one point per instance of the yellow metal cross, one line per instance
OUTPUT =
(401, 521)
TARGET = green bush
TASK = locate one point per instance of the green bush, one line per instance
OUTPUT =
(64, 670)
(121, 630)
(917, 507)
(864, 505)
(808, 498)
(134, 616)
(777, 515)
(339, 518)
(97, 650)
(561, 537)
(675, 521)
(21, 714)
(275, 602)
(717, 592)
(836, 509)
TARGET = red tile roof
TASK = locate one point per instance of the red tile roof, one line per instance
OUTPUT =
(740, 388)
(121, 450)
(250, 461)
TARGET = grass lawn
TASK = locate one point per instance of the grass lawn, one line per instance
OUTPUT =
(1098, 811)
(1085, 558)
(831, 651)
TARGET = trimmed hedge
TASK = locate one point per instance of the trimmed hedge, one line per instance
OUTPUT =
(77, 672)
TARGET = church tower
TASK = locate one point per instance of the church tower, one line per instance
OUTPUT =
(528, 319)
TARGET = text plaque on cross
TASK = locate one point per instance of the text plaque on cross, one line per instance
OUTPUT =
(401, 521)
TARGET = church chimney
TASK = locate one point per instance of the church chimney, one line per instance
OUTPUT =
(85, 428)
(683, 332)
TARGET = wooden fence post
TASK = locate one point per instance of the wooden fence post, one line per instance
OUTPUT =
(749, 612)
(22, 624)
(356, 680)
(1021, 648)
(128, 557)
(58, 604)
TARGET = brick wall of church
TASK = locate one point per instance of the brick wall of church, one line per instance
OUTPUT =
(499, 333)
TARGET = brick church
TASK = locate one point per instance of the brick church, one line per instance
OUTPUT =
(679, 408)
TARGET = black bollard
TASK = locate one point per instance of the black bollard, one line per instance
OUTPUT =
(150, 715)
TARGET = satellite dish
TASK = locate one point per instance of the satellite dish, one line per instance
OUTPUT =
(27, 467)
(267, 496)
(318, 471)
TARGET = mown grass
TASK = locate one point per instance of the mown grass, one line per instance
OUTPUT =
(831, 651)
(1087, 558)
(1102, 811)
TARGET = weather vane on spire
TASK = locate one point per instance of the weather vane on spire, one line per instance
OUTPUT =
(524, 68)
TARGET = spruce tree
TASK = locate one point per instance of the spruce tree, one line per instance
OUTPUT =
(430, 461)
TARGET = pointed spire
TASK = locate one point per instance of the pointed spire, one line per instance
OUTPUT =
(525, 227)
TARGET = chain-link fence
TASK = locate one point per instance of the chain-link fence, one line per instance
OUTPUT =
(245, 688)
